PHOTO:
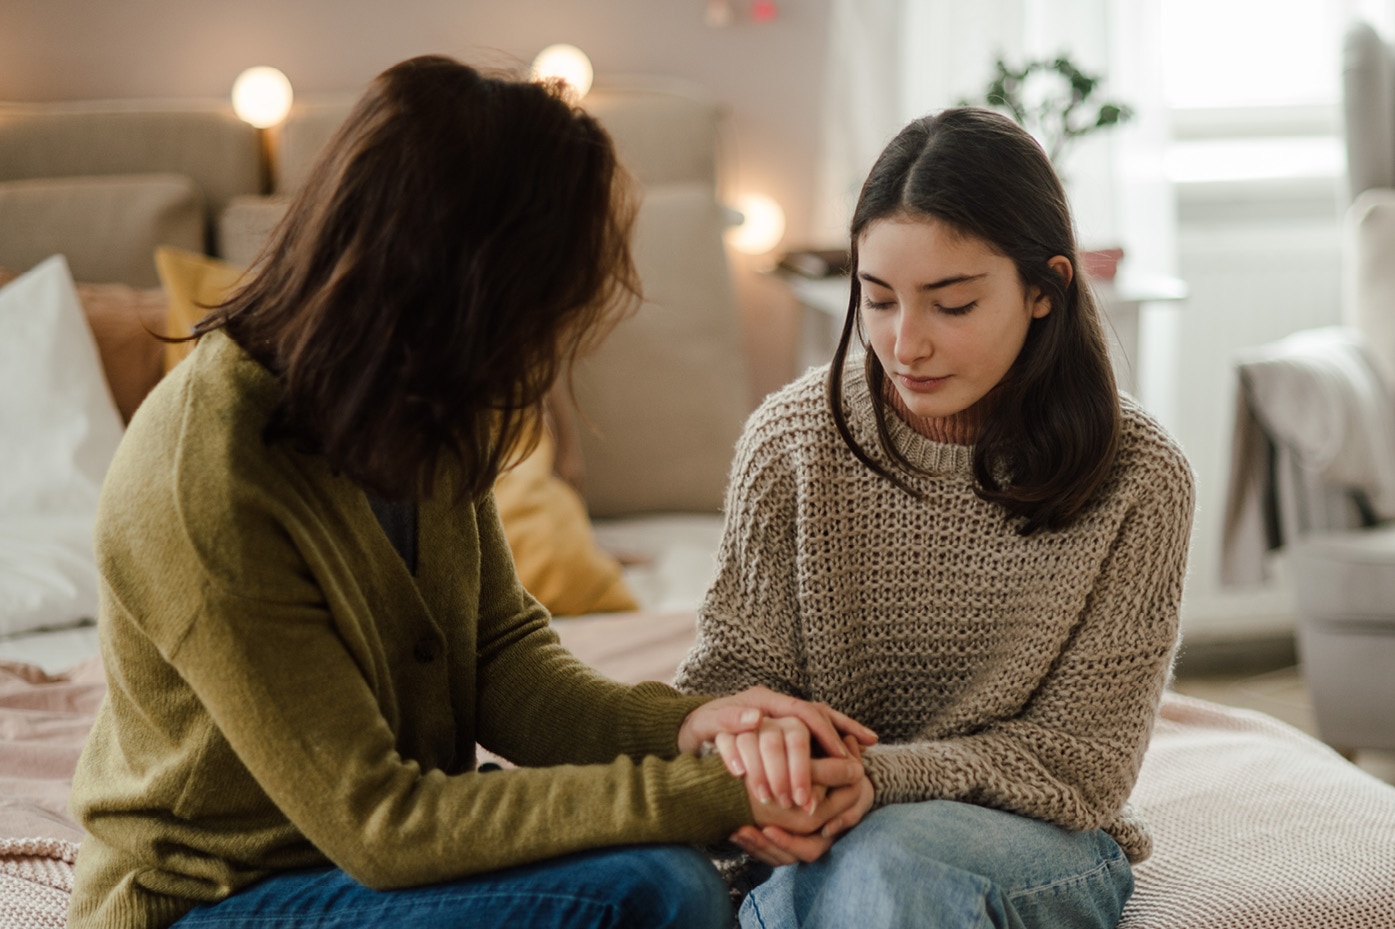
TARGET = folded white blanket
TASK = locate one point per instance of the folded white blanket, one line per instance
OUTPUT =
(1314, 429)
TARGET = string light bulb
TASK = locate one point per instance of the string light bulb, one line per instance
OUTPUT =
(568, 64)
(718, 13)
(762, 224)
(262, 96)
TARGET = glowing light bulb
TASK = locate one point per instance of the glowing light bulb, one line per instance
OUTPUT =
(719, 13)
(762, 225)
(567, 63)
(262, 96)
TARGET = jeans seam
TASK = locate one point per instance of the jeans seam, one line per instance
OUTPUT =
(755, 908)
(1104, 866)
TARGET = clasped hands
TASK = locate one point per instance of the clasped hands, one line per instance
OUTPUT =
(801, 763)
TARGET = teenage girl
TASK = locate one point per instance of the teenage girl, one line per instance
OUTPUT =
(309, 612)
(960, 534)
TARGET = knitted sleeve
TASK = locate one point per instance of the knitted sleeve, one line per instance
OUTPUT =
(748, 631)
(1072, 754)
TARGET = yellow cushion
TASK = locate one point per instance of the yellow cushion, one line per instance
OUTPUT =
(550, 535)
(544, 519)
(194, 283)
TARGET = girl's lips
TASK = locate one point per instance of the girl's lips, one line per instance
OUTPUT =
(922, 385)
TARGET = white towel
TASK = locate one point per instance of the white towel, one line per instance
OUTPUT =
(1314, 427)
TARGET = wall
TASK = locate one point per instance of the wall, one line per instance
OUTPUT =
(768, 75)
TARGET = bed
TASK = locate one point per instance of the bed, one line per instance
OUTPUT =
(1257, 826)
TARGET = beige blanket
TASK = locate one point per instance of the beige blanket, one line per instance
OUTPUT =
(1256, 825)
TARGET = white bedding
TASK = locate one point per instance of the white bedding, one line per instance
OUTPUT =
(60, 428)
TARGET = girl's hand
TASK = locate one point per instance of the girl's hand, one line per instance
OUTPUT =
(774, 759)
(843, 795)
(776, 847)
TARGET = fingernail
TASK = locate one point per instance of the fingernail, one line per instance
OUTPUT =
(762, 794)
(801, 797)
(750, 716)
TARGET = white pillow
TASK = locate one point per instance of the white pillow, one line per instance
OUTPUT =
(58, 431)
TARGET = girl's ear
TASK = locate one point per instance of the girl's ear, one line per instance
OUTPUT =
(1041, 303)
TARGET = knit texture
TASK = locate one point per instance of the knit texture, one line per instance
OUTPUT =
(1259, 826)
(36, 877)
(283, 693)
(1022, 673)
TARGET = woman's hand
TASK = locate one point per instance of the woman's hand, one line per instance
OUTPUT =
(734, 715)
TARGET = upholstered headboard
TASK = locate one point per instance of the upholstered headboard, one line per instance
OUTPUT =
(105, 182)
(661, 402)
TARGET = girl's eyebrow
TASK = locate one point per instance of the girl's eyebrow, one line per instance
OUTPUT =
(933, 285)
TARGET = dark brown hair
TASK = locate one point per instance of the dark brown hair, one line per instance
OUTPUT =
(1052, 435)
(460, 240)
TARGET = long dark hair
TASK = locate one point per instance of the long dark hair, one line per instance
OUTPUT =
(1052, 435)
(462, 238)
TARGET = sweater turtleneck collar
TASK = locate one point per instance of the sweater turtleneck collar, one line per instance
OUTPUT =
(960, 428)
(945, 445)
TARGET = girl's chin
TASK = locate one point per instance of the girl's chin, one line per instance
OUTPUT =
(924, 407)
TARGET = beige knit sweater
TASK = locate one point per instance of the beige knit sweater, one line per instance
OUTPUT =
(1021, 673)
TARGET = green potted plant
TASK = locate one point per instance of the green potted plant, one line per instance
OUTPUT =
(1055, 101)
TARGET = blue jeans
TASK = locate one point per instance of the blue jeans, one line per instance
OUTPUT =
(951, 866)
(637, 887)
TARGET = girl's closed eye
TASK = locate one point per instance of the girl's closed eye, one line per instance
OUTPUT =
(871, 304)
(958, 310)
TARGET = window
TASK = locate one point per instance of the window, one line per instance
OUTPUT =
(1252, 53)
(1254, 87)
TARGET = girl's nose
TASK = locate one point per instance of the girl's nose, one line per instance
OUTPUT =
(912, 342)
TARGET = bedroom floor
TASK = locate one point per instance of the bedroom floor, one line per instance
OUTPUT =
(1281, 693)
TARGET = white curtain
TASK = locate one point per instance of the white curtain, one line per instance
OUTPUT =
(862, 111)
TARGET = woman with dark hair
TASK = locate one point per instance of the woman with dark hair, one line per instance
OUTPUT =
(963, 536)
(310, 615)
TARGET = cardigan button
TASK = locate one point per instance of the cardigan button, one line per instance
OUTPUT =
(425, 651)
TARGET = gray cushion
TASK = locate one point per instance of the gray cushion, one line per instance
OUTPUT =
(244, 226)
(201, 140)
(663, 137)
(1368, 102)
(107, 227)
(666, 392)
(300, 139)
(1346, 577)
